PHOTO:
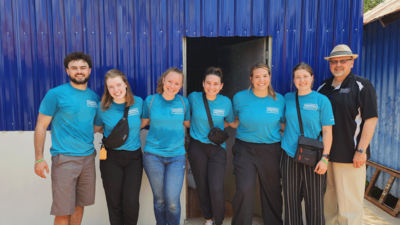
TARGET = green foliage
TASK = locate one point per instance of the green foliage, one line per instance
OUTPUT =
(370, 4)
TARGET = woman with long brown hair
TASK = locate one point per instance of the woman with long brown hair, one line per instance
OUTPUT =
(122, 169)
(257, 148)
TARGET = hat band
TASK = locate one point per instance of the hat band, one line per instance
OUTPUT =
(341, 53)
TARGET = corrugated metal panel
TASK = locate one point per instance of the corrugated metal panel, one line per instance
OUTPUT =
(381, 65)
(143, 38)
(381, 10)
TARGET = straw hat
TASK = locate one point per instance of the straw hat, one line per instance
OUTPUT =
(341, 50)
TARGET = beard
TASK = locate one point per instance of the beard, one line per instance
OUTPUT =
(338, 74)
(75, 81)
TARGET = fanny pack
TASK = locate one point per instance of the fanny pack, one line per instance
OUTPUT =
(309, 151)
(216, 135)
(117, 137)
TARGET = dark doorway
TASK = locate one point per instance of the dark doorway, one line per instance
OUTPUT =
(235, 56)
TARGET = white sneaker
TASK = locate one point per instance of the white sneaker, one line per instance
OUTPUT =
(209, 223)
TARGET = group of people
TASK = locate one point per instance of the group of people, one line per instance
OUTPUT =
(342, 113)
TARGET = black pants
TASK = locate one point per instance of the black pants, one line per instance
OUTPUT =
(122, 177)
(301, 182)
(208, 163)
(250, 158)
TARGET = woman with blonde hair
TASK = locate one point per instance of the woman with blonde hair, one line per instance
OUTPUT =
(257, 148)
(164, 152)
(121, 170)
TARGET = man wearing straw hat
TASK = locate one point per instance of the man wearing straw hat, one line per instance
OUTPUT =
(354, 105)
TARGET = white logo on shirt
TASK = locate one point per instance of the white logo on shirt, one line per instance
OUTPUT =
(133, 112)
(177, 111)
(219, 112)
(310, 106)
(91, 103)
(273, 110)
(344, 90)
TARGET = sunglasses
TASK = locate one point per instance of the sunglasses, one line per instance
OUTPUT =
(343, 61)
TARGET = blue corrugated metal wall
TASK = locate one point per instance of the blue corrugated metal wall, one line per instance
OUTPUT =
(144, 37)
(381, 65)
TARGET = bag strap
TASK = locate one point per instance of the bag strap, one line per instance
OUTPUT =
(104, 139)
(210, 122)
(184, 107)
(151, 103)
(126, 111)
(300, 120)
(299, 114)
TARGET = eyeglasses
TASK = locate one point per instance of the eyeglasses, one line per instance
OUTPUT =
(343, 61)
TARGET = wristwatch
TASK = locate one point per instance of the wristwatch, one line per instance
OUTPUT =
(361, 151)
(325, 155)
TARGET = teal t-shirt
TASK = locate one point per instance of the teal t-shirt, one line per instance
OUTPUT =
(73, 113)
(316, 111)
(220, 110)
(166, 135)
(260, 118)
(109, 118)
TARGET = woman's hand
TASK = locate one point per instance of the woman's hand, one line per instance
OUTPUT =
(186, 123)
(235, 123)
(97, 129)
(145, 122)
(226, 124)
(321, 168)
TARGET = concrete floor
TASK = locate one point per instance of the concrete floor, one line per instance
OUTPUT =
(372, 216)
(200, 221)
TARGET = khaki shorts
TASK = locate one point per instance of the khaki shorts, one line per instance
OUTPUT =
(73, 182)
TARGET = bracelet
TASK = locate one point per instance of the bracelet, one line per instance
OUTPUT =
(323, 160)
(38, 161)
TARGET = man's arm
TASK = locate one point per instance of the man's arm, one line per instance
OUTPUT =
(43, 122)
(366, 136)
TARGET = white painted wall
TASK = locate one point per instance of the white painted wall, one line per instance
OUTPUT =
(26, 198)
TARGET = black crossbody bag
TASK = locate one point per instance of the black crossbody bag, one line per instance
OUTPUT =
(118, 135)
(309, 150)
(216, 135)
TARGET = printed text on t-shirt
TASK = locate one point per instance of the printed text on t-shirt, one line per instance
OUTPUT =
(309, 106)
(91, 103)
(133, 112)
(219, 112)
(273, 110)
(177, 111)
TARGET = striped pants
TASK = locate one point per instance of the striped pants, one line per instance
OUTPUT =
(301, 182)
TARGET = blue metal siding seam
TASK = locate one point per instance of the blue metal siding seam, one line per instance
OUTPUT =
(226, 14)
(242, 18)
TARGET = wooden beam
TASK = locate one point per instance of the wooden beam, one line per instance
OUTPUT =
(386, 190)
(389, 18)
